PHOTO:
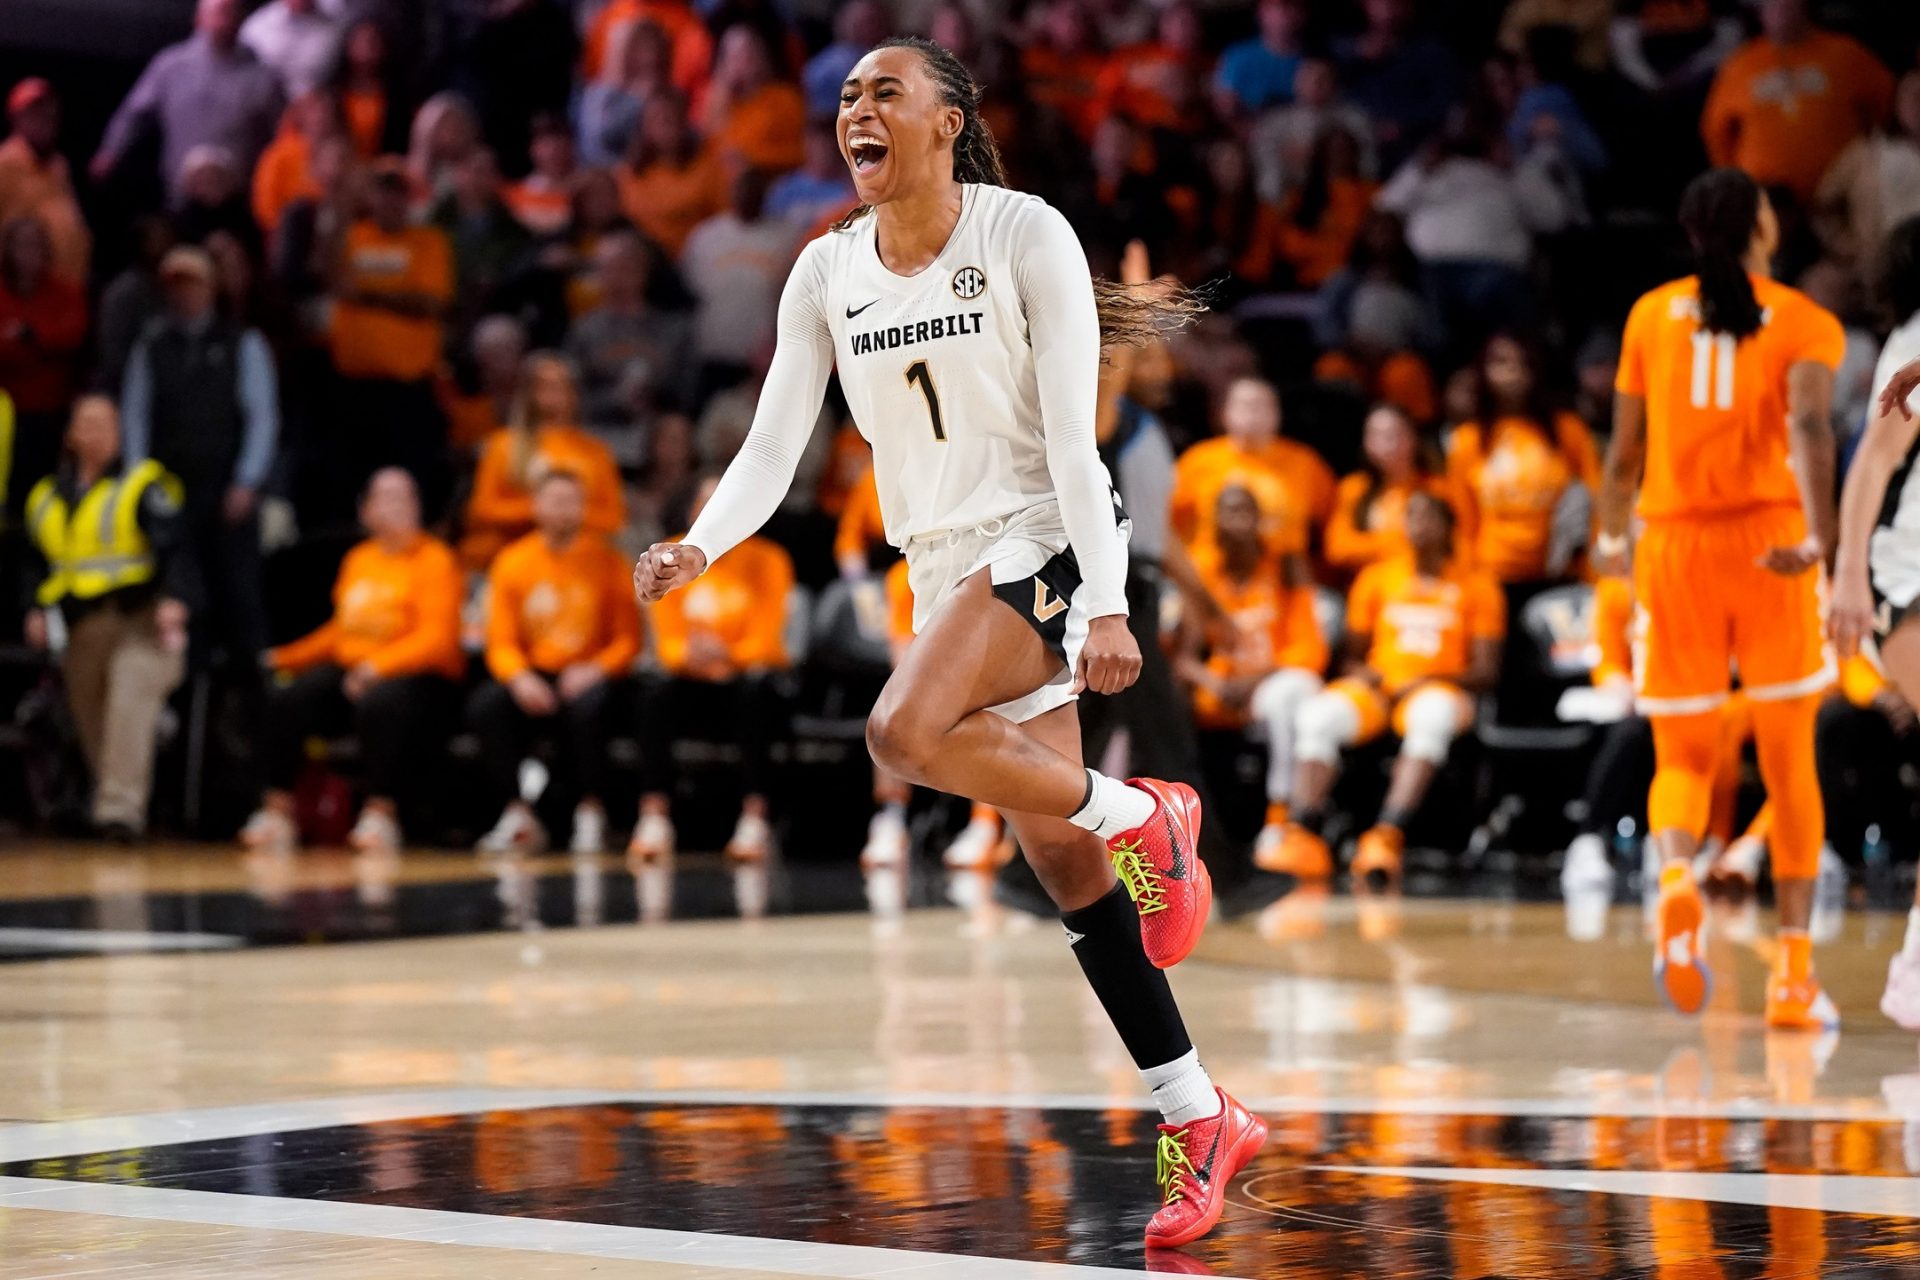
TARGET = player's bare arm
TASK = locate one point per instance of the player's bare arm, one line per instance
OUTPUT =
(1626, 458)
(1893, 398)
(1810, 443)
(1888, 439)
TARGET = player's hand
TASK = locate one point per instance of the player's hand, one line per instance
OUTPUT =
(664, 566)
(1850, 615)
(1791, 562)
(1905, 381)
(1110, 659)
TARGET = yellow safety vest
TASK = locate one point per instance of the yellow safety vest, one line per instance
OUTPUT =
(98, 545)
(6, 446)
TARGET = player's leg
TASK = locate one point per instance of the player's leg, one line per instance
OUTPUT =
(1900, 656)
(932, 727)
(1275, 706)
(1429, 718)
(1735, 864)
(1105, 933)
(1344, 714)
(1783, 734)
(1686, 750)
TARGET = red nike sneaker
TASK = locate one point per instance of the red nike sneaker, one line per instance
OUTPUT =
(1194, 1167)
(1163, 874)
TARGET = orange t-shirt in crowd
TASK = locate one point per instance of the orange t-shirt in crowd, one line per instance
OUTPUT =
(1423, 628)
(501, 510)
(548, 609)
(1142, 83)
(899, 604)
(848, 462)
(1274, 628)
(365, 111)
(860, 524)
(1506, 484)
(668, 202)
(370, 342)
(1612, 630)
(1293, 486)
(1317, 253)
(470, 418)
(397, 611)
(1066, 82)
(29, 184)
(768, 128)
(543, 206)
(1350, 545)
(1784, 112)
(284, 174)
(1717, 440)
(692, 43)
(741, 600)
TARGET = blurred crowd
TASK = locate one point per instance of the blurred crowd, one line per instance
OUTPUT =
(350, 365)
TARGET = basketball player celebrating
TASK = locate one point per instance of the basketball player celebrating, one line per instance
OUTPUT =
(967, 336)
(1876, 572)
(1725, 384)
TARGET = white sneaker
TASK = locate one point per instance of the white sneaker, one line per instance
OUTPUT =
(1587, 870)
(589, 829)
(886, 841)
(1901, 1001)
(972, 849)
(752, 840)
(1829, 898)
(652, 839)
(376, 833)
(271, 831)
(517, 832)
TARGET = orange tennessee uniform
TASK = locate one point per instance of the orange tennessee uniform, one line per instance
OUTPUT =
(1289, 481)
(500, 510)
(741, 601)
(1355, 541)
(371, 342)
(1274, 628)
(1718, 492)
(1507, 482)
(548, 609)
(1422, 632)
(1612, 630)
(398, 612)
(899, 606)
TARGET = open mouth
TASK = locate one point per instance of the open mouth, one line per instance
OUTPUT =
(868, 153)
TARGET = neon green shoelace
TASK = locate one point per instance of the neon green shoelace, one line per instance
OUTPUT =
(1171, 1166)
(1142, 881)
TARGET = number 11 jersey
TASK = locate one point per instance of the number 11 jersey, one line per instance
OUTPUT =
(1717, 441)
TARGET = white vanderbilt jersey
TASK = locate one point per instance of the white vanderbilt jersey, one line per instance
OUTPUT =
(939, 368)
(1894, 554)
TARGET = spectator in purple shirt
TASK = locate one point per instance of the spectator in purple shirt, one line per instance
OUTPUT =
(207, 90)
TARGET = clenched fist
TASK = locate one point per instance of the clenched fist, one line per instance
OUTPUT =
(664, 566)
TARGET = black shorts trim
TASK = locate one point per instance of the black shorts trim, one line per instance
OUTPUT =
(1045, 599)
(1888, 616)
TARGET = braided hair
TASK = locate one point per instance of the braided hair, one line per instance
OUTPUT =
(1129, 315)
(1720, 212)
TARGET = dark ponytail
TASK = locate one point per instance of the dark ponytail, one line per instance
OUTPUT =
(1720, 212)
(1129, 315)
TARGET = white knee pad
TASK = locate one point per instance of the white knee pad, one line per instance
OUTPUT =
(1326, 723)
(1277, 699)
(1432, 721)
(1276, 702)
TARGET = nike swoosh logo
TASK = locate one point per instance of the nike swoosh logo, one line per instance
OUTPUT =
(854, 311)
(1206, 1168)
(1178, 869)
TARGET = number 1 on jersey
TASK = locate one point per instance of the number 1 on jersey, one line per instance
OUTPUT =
(1714, 355)
(918, 375)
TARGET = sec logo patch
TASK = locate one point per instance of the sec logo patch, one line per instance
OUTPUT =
(969, 283)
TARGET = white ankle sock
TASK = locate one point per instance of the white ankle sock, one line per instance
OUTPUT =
(1112, 806)
(1912, 945)
(1183, 1090)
